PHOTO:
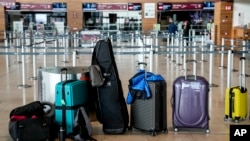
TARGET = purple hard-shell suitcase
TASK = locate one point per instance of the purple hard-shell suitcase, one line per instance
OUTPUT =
(190, 102)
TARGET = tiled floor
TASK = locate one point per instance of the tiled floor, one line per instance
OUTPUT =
(11, 76)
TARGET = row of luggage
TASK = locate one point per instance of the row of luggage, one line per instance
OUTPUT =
(147, 96)
(72, 94)
(190, 96)
(148, 107)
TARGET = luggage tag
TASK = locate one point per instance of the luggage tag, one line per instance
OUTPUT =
(63, 102)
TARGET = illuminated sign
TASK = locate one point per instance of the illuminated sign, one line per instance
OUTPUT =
(112, 6)
(134, 6)
(89, 6)
(186, 6)
(164, 6)
(35, 6)
(59, 7)
(15, 6)
(208, 5)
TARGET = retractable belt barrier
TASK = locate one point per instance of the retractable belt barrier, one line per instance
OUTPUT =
(176, 47)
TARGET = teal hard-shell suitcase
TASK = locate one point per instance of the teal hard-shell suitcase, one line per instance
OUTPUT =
(70, 95)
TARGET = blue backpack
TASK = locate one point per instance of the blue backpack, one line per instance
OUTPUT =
(138, 85)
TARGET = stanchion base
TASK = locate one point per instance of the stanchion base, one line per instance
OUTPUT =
(18, 62)
(234, 70)
(24, 86)
(172, 61)
(222, 67)
(213, 85)
(65, 61)
(183, 70)
(203, 61)
(33, 78)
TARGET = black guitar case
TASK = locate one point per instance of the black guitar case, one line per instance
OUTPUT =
(111, 108)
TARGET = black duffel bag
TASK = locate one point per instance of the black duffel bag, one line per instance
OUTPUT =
(33, 122)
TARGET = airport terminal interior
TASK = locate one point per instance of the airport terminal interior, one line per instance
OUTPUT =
(18, 87)
(28, 60)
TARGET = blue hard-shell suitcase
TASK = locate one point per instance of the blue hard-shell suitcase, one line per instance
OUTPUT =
(70, 95)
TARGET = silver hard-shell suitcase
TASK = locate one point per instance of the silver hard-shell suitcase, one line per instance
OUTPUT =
(150, 114)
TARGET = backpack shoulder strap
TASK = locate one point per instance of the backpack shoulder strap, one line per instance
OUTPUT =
(82, 126)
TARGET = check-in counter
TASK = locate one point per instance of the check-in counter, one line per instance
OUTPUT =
(241, 33)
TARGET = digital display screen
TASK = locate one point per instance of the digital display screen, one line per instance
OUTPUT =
(59, 6)
(164, 6)
(89, 6)
(134, 6)
(16, 6)
(208, 5)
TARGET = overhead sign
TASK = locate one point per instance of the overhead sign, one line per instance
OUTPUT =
(186, 6)
(112, 6)
(161, 6)
(36, 6)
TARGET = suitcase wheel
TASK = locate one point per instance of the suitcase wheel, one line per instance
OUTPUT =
(207, 131)
(225, 118)
(153, 133)
(236, 119)
(130, 127)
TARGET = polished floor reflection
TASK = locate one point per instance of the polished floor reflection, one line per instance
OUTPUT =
(17, 89)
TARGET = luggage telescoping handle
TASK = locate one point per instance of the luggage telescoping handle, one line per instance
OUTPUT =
(242, 76)
(229, 67)
(62, 70)
(194, 69)
(63, 102)
(144, 64)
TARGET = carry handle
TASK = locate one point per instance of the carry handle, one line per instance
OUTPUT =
(64, 69)
(194, 69)
(242, 76)
(142, 63)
